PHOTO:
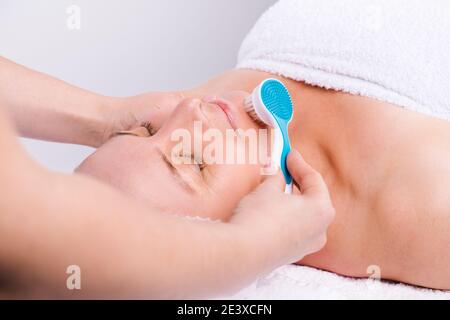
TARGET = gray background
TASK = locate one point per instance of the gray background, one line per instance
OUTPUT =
(123, 47)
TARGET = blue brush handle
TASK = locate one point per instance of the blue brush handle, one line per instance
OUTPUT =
(286, 149)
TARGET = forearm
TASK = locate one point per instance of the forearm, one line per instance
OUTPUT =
(44, 107)
(119, 244)
(123, 248)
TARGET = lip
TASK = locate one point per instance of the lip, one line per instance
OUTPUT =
(226, 108)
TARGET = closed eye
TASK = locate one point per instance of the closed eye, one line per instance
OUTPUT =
(192, 160)
(150, 128)
(176, 174)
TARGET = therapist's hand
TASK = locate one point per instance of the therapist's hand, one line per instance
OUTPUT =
(284, 228)
(149, 108)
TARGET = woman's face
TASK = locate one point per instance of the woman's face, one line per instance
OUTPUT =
(157, 170)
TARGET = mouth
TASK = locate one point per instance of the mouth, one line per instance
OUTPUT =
(227, 110)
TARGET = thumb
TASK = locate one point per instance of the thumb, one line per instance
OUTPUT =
(309, 180)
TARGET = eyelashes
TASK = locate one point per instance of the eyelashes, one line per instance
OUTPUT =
(150, 128)
(192, 159)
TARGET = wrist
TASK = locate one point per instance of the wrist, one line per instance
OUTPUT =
(235, 258)
(257, 249)
(264, 244)
(109, 119)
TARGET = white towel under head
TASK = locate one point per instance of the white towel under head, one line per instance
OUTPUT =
(396, 51)
(298, 282)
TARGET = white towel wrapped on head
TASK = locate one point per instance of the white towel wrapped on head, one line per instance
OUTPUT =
(396, 51)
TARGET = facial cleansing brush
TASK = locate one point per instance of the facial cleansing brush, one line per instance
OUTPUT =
(271, 104)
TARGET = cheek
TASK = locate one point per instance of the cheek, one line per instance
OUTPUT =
(98, 166)
(230, 185)
(117, 163)
(159, 194)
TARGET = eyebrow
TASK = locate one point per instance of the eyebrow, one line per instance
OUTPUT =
(181, 181)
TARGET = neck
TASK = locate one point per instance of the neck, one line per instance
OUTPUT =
(312, 130)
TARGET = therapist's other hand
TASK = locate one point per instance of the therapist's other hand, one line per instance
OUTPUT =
(284, 228)
(151, 109)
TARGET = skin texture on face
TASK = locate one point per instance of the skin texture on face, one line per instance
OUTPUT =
(147, 168)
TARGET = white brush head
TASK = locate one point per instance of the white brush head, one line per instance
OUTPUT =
(256, 109)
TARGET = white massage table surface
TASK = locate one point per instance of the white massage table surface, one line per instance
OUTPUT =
(298, 282)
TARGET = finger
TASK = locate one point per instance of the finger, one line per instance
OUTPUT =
(138, 132)
(273, 182)
(309, 180)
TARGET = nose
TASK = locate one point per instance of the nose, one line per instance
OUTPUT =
(210, 114)
(235, 97)
(193, 107)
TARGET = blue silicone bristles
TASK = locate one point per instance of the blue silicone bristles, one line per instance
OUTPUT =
(277, 99)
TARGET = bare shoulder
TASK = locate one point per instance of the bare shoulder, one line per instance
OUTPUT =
(413, 202)
(397, 165)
